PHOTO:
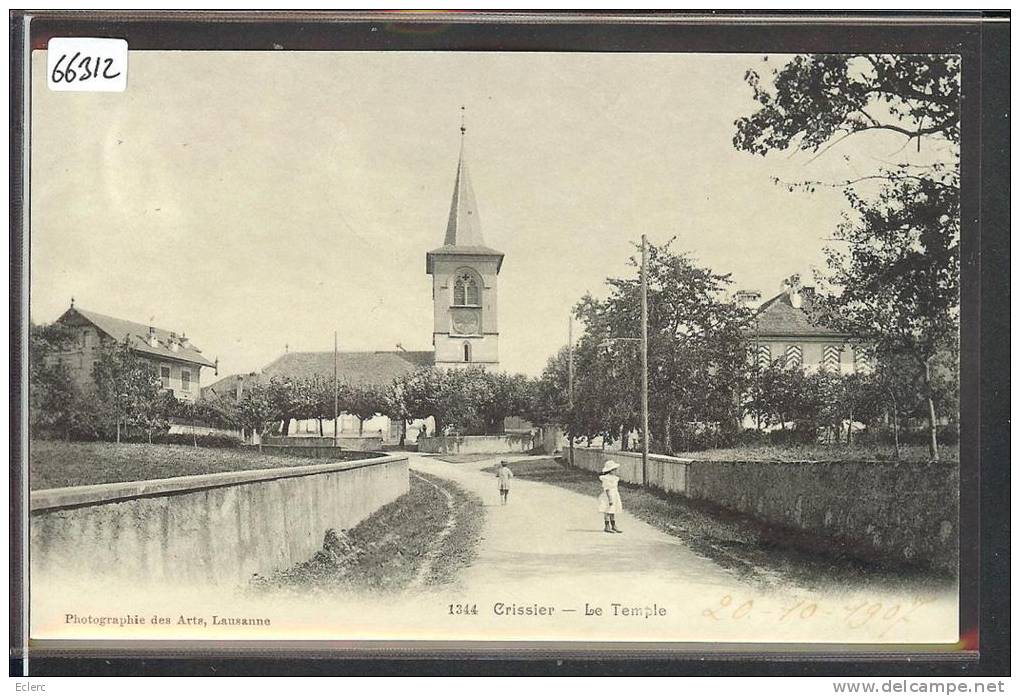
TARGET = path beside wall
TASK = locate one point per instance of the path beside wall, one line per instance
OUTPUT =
(904, 511)
(210, 530)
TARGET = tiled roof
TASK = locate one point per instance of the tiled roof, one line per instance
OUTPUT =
(463, 251)
(778, 317)
(228, 385)
(378, 368)
(138, 335)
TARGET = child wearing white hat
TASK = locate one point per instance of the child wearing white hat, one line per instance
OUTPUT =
(609, 499)
(504, 475)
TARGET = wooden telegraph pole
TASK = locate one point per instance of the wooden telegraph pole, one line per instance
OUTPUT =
(570, 379)
(644, 359)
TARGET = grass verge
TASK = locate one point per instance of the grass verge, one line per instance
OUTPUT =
(55, 464)
(395, 546)
(758, 552)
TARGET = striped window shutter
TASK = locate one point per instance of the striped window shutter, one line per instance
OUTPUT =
(794, 356)
(764, 356)
(862, 361)
(830, 358)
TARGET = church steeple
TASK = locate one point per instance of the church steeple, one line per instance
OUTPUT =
(464, 277)
(464, 227)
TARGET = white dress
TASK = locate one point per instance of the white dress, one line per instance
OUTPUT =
(609, 499)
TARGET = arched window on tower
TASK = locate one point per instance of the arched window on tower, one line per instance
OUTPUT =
(466, 291)
(467, 352)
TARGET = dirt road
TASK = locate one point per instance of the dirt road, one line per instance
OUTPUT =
(546, 551)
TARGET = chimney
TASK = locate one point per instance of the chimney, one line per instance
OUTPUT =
(173, 343)
(748, 299)
(793, 288)
(153, 341)
(185, 341)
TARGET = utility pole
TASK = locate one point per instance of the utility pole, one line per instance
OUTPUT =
(644, 360)
(336, 394)
(570, 379)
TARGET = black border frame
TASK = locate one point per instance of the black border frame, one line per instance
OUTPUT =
(984, 501)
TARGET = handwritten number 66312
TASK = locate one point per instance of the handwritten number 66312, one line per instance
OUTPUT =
(82, 68)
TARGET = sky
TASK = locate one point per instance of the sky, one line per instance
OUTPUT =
(260, 201)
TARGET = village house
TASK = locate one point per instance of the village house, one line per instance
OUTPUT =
(173, 356)
(785, 329)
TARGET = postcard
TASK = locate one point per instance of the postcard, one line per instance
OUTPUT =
(646, 348)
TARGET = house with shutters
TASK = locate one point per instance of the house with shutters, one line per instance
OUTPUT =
(173, 356)
(784, 330)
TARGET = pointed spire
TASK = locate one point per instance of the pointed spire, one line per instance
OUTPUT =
(464, 227)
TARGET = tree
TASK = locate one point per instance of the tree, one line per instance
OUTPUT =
(154, 414)
(470, 400)
(817, 100)
(127, 385)
(899, 280)
(895, 277)
(57, 404)
(420, 395)
(548, 397)
(461, 396)
(256, 410)
(778, 394)
(607, 390)
(498, 395)
(363, 401)
(282, 395)
(696, 347)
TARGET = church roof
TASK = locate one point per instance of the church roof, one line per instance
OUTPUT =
(464, 227)
(778, 317)
(227, 386)
(137, 335)
(357, 368)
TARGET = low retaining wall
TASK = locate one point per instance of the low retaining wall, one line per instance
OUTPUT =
(904, 511)
(179, 428)
(477, 444)
(319, 452)
(368, 443)
(210, 530)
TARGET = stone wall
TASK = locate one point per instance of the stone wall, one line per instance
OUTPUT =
(209, 530)
(511, 443)
(367, 443)
(181, 428)
(319, 452)
(901, 511)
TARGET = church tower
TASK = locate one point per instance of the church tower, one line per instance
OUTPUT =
(464, 272)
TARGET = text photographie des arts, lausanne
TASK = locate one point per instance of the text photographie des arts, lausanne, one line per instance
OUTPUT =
(497, 346)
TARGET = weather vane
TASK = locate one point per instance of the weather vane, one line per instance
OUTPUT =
(463, 128)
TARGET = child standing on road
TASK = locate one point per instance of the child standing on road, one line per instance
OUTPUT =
(504, 475)
(609, 499)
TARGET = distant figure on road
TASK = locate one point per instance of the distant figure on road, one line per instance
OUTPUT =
(504, 475)
(609, 499)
